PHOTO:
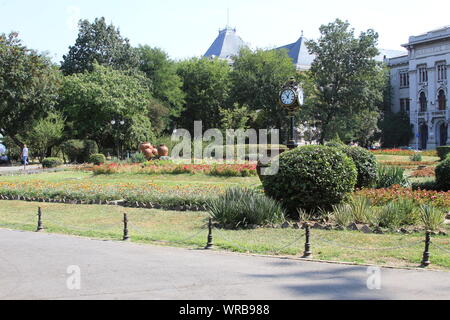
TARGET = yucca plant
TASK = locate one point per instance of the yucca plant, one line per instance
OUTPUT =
(361, 209)
(342, 214)
(388, 216)
(408, 211)
(242, 207)
(432, 217)
(389, 176)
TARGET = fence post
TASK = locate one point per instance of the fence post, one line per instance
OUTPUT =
(307, 253)
(126, 237)
(40, 226)
(426, 255)
(210, 243)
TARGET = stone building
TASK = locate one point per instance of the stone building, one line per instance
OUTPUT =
(419, 82)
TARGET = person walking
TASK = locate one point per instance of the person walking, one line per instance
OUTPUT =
(25, 153)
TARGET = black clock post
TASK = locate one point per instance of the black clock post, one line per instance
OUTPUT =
(291, 98)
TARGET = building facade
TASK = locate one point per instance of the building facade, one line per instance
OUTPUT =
(419, 82)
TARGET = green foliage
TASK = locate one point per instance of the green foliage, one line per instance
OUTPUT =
(45, 134)
(366, 165)
(242, 207)
(389, 176)
(166, 84)
(336, 142)
(91, 100)
(207, 86)
(425, 185)
(79, 151)
(311, 177)
(443, 152)
(396, 130)
(342, 214)
(236, 117)
(417, 157)
(28, 87)
(349, 83)
(443, 175)
(52, 162)
(97, 159)
(138, 157)
(257, 77)
(389, 217)
(432, 217)
(99, 43)
(361, 210)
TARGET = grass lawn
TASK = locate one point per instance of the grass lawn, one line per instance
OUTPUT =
(158, 227)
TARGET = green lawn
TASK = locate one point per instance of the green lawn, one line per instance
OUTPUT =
(157, 227)
(390, 158)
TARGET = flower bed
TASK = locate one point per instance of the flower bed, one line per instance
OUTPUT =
(164, 167)
(424, 173)
(148, 195)
(401, 152)
(383, 196)
(407, 164)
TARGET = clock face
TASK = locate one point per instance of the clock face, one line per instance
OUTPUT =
(301, 97)
(288, 97)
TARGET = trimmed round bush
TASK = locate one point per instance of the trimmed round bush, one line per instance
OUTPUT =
(97, 159)
(443, 152)
(366, 165)
(443, 175)
(311, 177)
(52, 162)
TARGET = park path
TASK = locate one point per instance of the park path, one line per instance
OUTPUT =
(35, 265)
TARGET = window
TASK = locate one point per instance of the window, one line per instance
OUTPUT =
(442, 72)
(423, 102)
(404, 105)
(404, 79)
(423, 74)
(442, 100)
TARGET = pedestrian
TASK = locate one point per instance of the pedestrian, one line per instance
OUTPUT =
(25, 153)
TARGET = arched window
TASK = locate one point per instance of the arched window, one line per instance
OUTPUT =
(423, 102)
(442, 100)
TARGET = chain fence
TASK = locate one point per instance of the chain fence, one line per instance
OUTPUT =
(125, 224)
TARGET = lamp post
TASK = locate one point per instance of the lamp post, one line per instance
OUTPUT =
(118, 124)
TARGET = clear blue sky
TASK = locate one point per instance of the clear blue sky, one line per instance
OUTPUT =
(186, 28)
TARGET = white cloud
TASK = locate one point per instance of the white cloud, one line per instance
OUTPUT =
(73, 18)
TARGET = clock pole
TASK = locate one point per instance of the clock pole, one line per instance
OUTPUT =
(292, 105)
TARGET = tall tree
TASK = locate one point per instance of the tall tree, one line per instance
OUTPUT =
(348, 80)
(166, 84)
(101, 43)
(28, 87)
(207, 86)
(257, 77)
(90, 102)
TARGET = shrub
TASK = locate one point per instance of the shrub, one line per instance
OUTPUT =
(388, 216)
(79, 151)
(97, 159)
(425, 185)
(138, 158)
(443, 152)
(90, 147)
(432, 217)
(311, 177)
(241, 207)
(390, 176)
(416, 157)
(361, 209)
(52, 162)
(443, 175)
(366, 165)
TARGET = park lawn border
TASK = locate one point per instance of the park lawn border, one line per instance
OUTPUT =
(250, 242)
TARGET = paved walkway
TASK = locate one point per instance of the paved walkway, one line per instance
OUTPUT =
(34, 266)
